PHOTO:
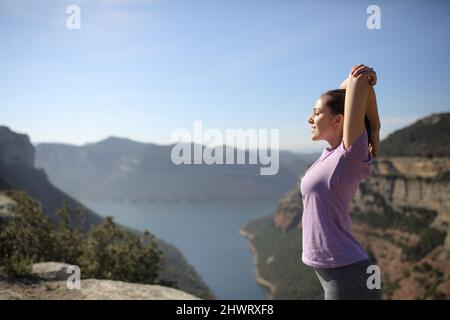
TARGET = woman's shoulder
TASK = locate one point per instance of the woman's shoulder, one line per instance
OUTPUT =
(358, 150)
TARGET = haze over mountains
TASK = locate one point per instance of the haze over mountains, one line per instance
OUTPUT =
(122, 169)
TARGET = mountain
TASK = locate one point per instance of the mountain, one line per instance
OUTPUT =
(17, 172)
(122, 169)
(427, 137)
(400, 215)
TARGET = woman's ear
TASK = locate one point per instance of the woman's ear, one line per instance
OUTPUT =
(340, 119)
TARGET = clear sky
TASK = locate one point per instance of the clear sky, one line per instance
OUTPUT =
(141, 69)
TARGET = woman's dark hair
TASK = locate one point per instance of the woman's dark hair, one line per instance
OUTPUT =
(335, 99)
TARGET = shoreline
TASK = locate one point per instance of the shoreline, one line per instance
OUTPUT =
(259, 279)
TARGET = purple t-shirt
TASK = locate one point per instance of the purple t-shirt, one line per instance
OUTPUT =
(327, 189)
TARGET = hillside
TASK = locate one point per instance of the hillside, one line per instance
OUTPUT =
(17, 172)
(427, 137)
(400, 215)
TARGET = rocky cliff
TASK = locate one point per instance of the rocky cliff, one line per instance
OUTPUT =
(413, 187)
(17, 172)
(16, 149)
(50, 283)
(400, 215)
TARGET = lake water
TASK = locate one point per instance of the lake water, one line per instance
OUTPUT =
(207, 233)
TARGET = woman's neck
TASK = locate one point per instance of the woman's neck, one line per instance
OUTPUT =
(334, 143)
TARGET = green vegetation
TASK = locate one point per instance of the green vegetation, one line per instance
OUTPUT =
(105, 252)
(412, 220)
(25, 238)
(17, 266)
(292, 279)
(428, 137)
(176, 272)
(431, 279)
(429, 239)
(389, 286)
(114, 253)
(432, 292)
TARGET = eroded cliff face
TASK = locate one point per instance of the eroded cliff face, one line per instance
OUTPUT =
(409, 196)
(414, 187)
(401, 216)
(16, 149)
(289, 211)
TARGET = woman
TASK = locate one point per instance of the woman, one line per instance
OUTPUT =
(347, 118)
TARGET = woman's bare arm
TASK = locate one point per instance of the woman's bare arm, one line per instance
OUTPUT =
(356, 98)
(343, 84)
(373, 117)
(372, 111)
(375, 124)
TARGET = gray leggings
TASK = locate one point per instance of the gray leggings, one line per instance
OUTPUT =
(348, 282)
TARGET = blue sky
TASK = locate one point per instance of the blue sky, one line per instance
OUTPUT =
(141, 69)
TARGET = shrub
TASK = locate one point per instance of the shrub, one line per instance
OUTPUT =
(429, 239)
(108, 251)
(68, 241)
(117, 254)
(17, 266)
(24, 238)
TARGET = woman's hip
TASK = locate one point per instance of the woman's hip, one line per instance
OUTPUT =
(348, 282)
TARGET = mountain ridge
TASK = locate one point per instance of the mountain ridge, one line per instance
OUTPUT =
(124, 170)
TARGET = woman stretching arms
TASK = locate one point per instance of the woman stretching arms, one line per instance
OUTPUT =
(348, 120)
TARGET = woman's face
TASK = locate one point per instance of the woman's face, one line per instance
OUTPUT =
(322, 122)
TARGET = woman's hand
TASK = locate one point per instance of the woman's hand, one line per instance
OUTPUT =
(360, 70)
(374, 146)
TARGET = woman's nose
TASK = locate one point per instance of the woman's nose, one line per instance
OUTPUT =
(310, 120)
